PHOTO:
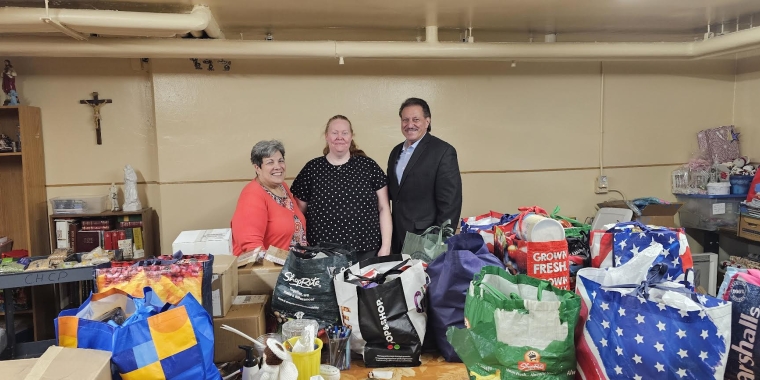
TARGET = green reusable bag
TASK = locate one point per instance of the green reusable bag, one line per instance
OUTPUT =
(428, 245)
(577, 227)
(517, 327)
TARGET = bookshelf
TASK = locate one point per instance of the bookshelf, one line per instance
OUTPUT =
(147, 216)
(23, 203)
(23, 197)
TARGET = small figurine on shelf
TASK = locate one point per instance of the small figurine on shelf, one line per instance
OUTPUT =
(6, 144)
(9, 85)
(131, 201)
(114, 196)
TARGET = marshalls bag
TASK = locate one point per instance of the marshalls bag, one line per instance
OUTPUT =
(382, 300)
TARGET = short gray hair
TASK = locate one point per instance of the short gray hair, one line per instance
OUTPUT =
(264, 149)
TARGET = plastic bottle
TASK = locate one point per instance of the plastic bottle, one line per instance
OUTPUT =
(250, 364)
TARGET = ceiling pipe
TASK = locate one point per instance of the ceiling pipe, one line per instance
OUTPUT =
(431, 34)
(744, 40)
(106, 22)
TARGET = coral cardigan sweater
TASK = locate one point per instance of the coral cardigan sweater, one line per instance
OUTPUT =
(259, 221)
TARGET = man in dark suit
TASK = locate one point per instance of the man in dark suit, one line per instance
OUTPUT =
(424, 183)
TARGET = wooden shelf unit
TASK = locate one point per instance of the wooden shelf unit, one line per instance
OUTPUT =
(149, 226)
(23, 196)
(23, 201)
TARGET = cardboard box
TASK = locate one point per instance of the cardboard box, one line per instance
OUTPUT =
(59, 363)
(749, 228)
(224, 284)
(258, 278)
(215, 242)
(246, 315)
(656, 215)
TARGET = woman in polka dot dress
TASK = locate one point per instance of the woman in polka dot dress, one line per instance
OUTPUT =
(344, 195)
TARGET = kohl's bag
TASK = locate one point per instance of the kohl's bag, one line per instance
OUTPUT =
(305, 283)
(743, 291)
(382, 300)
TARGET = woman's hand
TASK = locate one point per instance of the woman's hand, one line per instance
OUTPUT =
(384, 251)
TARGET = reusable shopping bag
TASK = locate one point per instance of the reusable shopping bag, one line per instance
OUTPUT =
(305, 283)
(450, 276)
(634, 324)
(743, 291)
(517, 327)
(383, 300)
(622, 242)
(429, 244)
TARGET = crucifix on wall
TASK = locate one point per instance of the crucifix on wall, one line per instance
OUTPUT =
(96, 103)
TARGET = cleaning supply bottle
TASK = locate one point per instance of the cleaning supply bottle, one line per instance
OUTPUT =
(250, 364)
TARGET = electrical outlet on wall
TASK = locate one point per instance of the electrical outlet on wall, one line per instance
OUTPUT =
(601, 185)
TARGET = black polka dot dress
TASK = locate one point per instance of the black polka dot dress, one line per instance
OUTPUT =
(342, 201)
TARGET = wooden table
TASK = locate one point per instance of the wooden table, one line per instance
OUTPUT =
(433, 367)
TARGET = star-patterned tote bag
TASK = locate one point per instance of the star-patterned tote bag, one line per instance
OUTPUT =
(629, 238)
(636, 325)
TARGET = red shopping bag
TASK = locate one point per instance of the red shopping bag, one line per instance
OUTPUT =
(548, 261)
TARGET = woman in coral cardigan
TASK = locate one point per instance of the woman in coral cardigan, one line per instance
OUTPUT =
(267, 214)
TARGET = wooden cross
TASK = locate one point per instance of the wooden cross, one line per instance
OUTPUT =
(96, 103)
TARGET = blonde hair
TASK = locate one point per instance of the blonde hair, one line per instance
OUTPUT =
(352, 149)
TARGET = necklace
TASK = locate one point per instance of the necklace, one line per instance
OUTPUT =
(278, 190)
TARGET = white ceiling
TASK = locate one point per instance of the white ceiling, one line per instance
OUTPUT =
(678, 18)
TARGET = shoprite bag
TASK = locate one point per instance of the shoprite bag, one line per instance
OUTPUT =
(517, 327)
(305, 283)
(383, 300)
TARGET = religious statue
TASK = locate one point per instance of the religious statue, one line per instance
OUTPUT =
(96, 103)
(9, 85)
(114, 196)
(131, 201)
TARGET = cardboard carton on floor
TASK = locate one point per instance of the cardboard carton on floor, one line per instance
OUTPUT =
(59, 363)
(654, 214)
(224, 284)
(215, 242)
(258, 278)
(247, 314)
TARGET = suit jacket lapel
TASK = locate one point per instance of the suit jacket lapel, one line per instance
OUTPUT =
(415, 155)
(393, 185)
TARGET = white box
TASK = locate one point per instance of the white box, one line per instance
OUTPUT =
(706, 271)
(215, 242)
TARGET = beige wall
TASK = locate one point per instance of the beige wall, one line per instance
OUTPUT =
(525, 135)
(747, 107)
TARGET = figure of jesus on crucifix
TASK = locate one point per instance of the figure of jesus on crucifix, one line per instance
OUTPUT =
(96, 103)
